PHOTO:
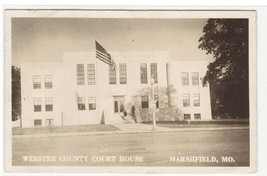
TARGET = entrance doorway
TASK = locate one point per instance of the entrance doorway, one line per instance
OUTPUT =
(118, 104)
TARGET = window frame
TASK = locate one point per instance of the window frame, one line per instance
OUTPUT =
(35, 100)
(189, 115)
(112, 76)
(196, 99)
(144, 103)
(195, 78)
(35, 120)
(80, 74)
(49, 99)
(123, 73)
(49, 122)
(46, 83)
(81, 106)
(186, 100)
(154, 72)
(143, 73)
(93, 103)
(197, 114)
(185, 79)
(91, 74)
(37, 83)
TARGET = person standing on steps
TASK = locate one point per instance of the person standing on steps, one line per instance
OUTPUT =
(133, 114)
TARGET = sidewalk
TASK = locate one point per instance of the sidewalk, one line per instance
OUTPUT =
(129, 129)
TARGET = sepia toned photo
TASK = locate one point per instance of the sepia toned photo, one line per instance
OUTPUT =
(130, 91)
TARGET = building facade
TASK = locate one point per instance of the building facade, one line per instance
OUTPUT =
(82, 90)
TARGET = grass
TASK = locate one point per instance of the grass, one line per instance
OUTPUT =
(205, 124)
(65, 129)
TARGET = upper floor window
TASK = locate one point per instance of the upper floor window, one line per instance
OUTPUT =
(48, 81)
(81, 103)
(154, 72)
(186, 100)
(195, 78)
(80, 74)
(112, 75)
(185, 81)
(92, 103)
(196, 99)
(91, 74)
(37, 82)
(37, 104)
(144, 101)
(123, 74)
(143, 73)
(48, 104)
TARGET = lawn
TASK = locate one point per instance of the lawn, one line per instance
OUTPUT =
(205, 124)
(65, 129)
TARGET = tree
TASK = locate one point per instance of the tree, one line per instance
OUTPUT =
(227, 41)
(16, 92)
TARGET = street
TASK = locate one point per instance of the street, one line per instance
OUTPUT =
(143, 149)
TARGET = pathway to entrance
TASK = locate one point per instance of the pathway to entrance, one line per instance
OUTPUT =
(138, 127)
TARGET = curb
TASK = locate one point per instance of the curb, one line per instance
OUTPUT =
(125, 132)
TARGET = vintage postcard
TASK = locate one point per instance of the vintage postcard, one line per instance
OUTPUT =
(99, 91)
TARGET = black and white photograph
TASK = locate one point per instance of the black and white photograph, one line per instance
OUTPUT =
(131, 91)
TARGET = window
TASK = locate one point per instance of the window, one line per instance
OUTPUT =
(123, 74)
(48, 104)
(187, 117)
(92, 103)
(37, 103)
(48, 82)
(37, 82)
(185, 81)
(197, 116)
(195, 79)
(156, 98)
(118, 104)
(48, 122)
(186, 100)
(81, 103)
(196, 99)
(38, 122)
(143, 73)
(112, 75)
(80, 74)
(154, 72)
(144, 101)
(91, 74)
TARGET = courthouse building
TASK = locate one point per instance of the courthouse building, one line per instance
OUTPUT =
(82, 89)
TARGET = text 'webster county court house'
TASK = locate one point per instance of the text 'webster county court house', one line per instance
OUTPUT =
(82, 89)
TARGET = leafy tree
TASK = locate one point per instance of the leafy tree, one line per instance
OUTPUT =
(16, 92)
(227, 41)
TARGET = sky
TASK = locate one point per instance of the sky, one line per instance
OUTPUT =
(45, 39)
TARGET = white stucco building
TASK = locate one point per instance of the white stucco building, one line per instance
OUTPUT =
(81, 89)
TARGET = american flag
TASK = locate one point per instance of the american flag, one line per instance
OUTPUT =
(104, 56)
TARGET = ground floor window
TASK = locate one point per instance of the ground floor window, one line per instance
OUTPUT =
(196, 99)
(81, 103)
(197, 116)
(144, 101)
(48, 122)
(92, 103)
(38, 122)
(118, 104)
(187, 117)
